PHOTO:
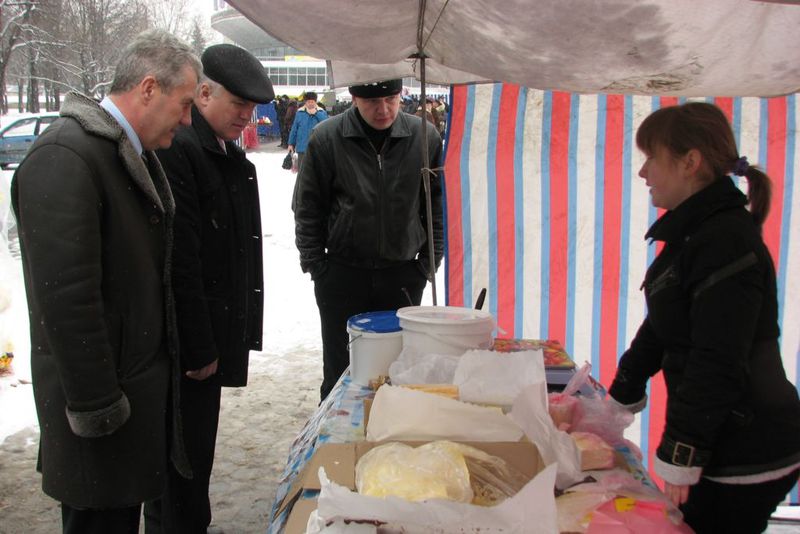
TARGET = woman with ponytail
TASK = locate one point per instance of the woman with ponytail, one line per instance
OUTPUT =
(730, 450)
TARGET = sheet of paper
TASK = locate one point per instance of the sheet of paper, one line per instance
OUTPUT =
(556, 447)
(403, 414)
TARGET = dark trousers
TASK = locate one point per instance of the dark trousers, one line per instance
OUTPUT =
(185, 508)
(285, 133)
(735, 508)
(343, 291)
(109, 521)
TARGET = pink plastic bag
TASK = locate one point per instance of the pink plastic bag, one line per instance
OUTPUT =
(563, 406)
(562, 410)
(629, 516)
(619, 503)
(598, 415)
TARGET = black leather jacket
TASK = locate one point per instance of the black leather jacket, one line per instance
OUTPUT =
(359, 207)
(712, 328)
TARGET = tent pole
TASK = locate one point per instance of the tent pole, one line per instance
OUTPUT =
(426, 178)
(426, 171)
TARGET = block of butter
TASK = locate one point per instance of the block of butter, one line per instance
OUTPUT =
(445, 390)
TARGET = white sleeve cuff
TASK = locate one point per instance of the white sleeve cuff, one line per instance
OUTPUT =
(675, 474)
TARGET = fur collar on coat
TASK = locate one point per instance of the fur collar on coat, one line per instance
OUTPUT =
(97, 121)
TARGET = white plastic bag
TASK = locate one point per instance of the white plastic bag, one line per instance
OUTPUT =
(400, 413)
(414, 367)
(488, 377)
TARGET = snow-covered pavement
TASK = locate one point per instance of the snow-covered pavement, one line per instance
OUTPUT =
(257, 423)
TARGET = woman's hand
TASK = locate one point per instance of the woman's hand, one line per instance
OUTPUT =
(677, 494)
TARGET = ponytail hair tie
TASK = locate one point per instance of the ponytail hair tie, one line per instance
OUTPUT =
(741, 166)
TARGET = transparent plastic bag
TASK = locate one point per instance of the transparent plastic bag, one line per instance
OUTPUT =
(591, 413)
(437, 470)
(618, 503)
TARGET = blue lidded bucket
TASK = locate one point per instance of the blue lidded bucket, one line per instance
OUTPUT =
(378, 322)
(376, 340)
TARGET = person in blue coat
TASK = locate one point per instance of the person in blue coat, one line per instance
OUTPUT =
(305, 120)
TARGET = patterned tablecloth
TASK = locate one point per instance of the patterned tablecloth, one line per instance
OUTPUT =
(340, 419)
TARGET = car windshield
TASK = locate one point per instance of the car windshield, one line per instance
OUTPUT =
(44, 122)
(22, 127)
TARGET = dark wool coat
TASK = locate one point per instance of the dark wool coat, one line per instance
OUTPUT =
(217, 274)
(95, 234)
(712, 328)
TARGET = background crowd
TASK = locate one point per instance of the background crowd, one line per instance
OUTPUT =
(286, 107)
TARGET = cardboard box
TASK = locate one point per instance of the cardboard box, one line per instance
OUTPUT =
(339, 461)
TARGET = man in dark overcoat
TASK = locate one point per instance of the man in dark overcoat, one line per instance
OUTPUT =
(218, 274)
(95, 216)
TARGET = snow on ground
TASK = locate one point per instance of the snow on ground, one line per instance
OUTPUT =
(291, 320)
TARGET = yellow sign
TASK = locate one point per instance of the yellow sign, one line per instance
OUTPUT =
(299, 58)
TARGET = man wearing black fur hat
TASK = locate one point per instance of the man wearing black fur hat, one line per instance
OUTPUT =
(360, 216)
(217, 267)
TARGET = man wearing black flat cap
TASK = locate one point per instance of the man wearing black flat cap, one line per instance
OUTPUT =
(217, 268)
(360, 215)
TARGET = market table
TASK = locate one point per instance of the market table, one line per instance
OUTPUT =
(340, 419)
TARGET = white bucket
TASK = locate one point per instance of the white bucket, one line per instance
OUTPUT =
(375, 342)
(446, 329)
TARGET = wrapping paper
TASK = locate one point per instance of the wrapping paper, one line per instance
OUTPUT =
(403, 414)
(515, 515)
(530, 413)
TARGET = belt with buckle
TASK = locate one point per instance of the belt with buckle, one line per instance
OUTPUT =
(683, 454)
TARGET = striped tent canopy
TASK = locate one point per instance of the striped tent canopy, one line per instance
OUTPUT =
(545, 209)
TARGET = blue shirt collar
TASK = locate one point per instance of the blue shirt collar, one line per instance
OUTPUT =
(112, 108)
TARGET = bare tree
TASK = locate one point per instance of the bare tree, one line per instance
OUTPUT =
(14, 15)
(198, 38)
(75, 44)
(169, 15)
(175, 16)
(101, 29)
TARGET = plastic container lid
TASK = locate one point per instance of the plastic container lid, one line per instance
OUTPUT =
(379, 322)
(444, 315)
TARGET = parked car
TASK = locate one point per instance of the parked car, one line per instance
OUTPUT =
(17, 137)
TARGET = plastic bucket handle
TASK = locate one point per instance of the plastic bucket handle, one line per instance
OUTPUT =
(446, 340)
